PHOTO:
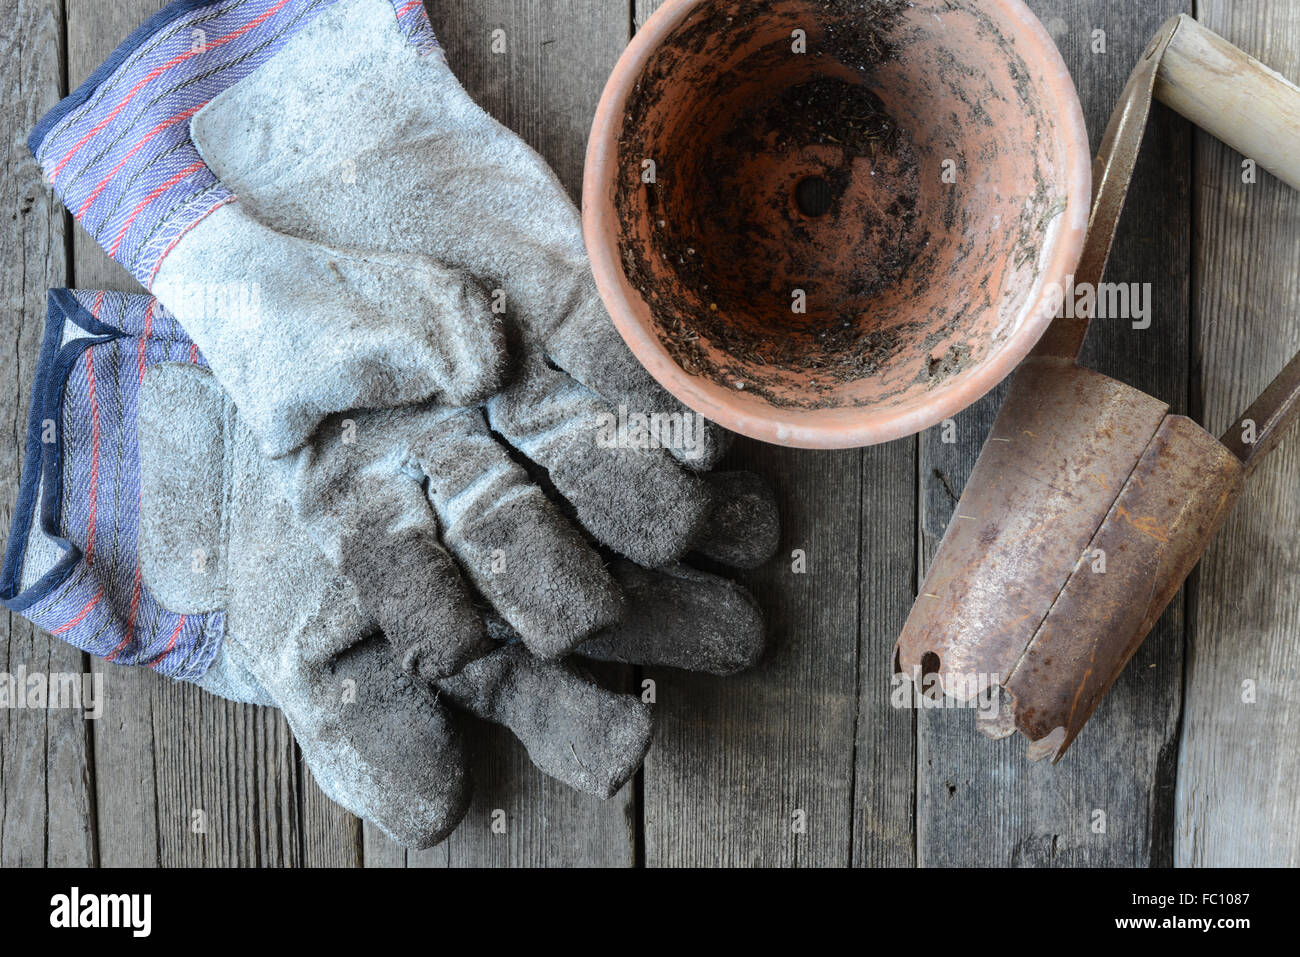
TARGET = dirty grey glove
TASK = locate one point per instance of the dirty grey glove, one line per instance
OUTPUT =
(349, 133)
(253, 612)
(438, 474)
(576, 732)
(210, 540)
(217, 533)
(296, 329)
(228, 595)
(216, 537)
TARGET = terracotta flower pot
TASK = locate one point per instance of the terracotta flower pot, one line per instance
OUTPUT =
(832, 223)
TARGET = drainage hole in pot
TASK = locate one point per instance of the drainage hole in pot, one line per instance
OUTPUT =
(930, 663)
(930, 666)
(813, 196)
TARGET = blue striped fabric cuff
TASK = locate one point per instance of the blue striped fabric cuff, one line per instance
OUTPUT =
(77, 519)
(118, 150)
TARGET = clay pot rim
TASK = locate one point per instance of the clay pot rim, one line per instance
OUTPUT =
(836, 428)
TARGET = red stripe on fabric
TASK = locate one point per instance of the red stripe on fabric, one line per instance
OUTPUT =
(130, 619)
(94, 455)
(194, 353)
(171, 644)
(81, 614)
(159, 71)
(108, 178)
(409, 7)
(139, 208)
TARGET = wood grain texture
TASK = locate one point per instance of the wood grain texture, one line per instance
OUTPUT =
(228, 786)
(808, 740)
(46, 792)
(981, 802)
(642, 10)
(170, 775)
(757, 769)
(1238, 764)
(884, 806)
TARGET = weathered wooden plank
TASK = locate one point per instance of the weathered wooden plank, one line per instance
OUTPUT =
(762, 769)
(332, 837)
(884, 780)
(545, 81)
(642, 10)
(808, 740)
(757, 769)
(182, 777)
(541, 76)
(228, 787)
(46, 789)
(980, 802)
(1236, 799)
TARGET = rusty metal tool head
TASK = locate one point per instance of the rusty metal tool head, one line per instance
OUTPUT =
(1090, 503)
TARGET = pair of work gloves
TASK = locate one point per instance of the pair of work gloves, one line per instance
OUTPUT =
(368, 423)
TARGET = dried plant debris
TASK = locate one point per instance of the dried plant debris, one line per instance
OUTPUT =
(863, 33)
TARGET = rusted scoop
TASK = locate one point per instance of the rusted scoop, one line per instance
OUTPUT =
(1090, 503)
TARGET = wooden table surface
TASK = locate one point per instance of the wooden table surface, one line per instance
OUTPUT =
(803, 761)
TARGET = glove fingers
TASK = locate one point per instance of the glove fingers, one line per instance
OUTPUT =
(679, 617)
(525, 557)
(378, 743)
(576, 731)
(590, 349)
(373, 522)
(295, 329)
(637, 501)
(413, 590)
(744, 529)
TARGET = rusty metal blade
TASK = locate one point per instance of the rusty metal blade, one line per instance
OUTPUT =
(1089, 504)
(1270, 418)
(1060, 453)
(1154, 534)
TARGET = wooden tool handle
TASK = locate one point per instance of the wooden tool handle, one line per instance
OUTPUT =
(1256, 111)
(1233, 97)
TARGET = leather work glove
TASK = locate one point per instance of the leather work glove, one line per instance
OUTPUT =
(358, 327)
(150, 530)
(338, 126)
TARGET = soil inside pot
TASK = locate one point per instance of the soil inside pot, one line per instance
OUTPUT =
(783, 210)
(819, 173)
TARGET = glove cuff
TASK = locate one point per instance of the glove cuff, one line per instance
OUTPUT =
(74, 542)
(118, 150)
